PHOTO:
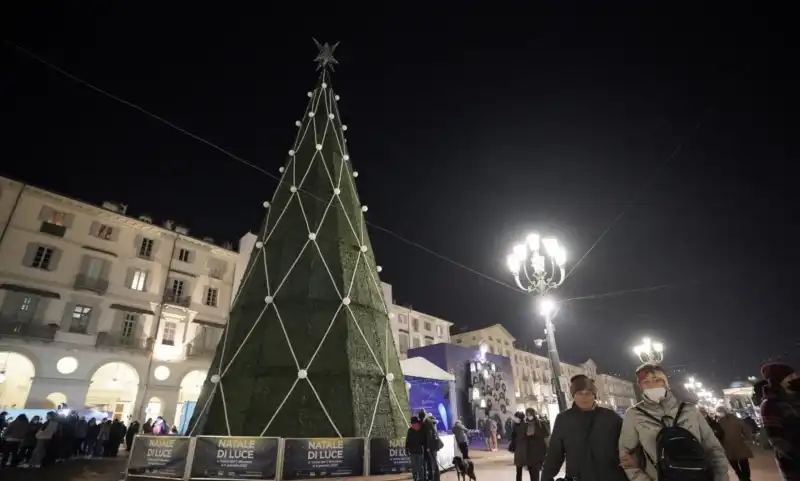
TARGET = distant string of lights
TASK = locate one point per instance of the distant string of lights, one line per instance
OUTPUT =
(372, 224)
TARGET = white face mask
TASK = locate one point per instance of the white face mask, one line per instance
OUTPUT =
(517, 420)
(656, 394)
(529, 418)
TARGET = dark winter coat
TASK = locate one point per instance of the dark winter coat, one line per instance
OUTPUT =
(430, 434)
(17, 430)
(736, 439)
(415, 439)
(781, 415)
(587, 440)
(529, 451)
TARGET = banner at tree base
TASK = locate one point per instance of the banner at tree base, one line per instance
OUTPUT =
(235, 457)
(313, 458)
(159, 456)
(388, 456)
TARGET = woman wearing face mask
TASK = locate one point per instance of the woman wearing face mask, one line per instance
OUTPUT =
(641, 426)
(528, 444)
(780, 412)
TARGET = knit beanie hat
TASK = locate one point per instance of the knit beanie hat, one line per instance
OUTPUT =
(581, 383)
(776, 372)
(651, 372)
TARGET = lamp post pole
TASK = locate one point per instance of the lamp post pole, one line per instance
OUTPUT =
(538, 267)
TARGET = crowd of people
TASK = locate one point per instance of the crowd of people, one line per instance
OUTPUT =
(36, 442)
(659, 439)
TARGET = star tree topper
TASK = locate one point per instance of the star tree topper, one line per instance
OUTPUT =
(325, 57)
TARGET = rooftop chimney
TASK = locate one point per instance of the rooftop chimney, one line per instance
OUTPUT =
(146, 218)
(168, 224)
(123, 208)
(182, 230)
(227, 245)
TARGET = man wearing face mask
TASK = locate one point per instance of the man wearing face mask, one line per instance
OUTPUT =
(659, 410)
(586, 437)
(780, 412)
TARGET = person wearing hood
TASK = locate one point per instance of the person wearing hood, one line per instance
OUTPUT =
(643, 422)
(585, 436)
(416, 449)
(780, 411)
(528, 444)
(462, 438)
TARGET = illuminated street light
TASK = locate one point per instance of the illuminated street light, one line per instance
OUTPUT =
(538, 267)
(649, 351)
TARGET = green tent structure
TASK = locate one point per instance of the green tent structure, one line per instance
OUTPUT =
(308, 350)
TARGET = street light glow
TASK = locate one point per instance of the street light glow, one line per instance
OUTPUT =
(537, 265)
(649, 351)
(546, 306)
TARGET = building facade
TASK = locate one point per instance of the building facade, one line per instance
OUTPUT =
(102, 310)
(533, 381)
(413, 329)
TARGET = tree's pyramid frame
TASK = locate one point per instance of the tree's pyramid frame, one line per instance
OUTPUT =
(308, 350)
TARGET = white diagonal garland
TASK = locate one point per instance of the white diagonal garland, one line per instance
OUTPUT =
(326, 96)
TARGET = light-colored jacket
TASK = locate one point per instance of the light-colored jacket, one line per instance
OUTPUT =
(460, 432)
(640, 430)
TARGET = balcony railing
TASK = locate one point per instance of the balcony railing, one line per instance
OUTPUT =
(33, 329)
(108, 339)
(93, 284)
(171, 297)
(53, 229)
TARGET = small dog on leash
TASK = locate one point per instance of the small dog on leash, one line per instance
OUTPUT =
(464, 469)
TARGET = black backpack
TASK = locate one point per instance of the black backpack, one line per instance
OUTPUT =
(679, 454)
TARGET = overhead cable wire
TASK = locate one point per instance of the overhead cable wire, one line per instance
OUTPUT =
(314, 196)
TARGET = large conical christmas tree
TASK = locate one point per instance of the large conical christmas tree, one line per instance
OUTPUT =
(308, 351)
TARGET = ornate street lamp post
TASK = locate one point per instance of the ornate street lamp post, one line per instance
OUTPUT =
(649, 351)
(538, 267)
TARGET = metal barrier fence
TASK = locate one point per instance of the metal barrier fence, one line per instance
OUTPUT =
(233, 458)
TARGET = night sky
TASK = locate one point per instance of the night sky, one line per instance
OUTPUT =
(468, 128)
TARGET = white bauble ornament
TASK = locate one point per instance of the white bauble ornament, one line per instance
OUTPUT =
(215, 378)
(282, 170)
(390, 377)
(302, 374)
(319, 146)
(291, 153)
(311, 114)
(292, 189)
(269, 299)
(355, 173)
(259, 245)
(298, 123)
(380, 269)
(363, 248)
(312, 236)
(310, 94)
(346, 301)
(324, 85)
(337, 191)
(364, 208)
(331, 116)
(265, 204)
(336, 97)
(344, 127)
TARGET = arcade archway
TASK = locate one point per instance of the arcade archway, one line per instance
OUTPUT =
(113, 389)
(16, 376)
(191, 384)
